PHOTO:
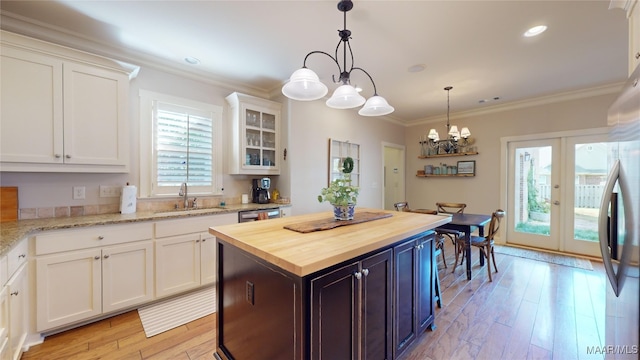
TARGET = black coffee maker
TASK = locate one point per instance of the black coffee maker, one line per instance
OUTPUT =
(260, 190)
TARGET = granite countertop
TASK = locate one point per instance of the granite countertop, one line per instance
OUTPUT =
(305, 253)
(14, 231)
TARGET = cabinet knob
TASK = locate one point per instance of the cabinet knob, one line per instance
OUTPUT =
(22, 256)
(58, 156)
(638, 55)
(100, 237)
(365, 272)
(97, 257)
(203, 240)
(197, 241)
(15, 293)
(68, 156)
(106, 256)
(358, 275)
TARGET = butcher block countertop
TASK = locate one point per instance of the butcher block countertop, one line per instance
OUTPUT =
(305, 253)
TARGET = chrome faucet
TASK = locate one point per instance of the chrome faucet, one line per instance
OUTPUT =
(183, 193)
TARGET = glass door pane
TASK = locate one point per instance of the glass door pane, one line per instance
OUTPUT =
(534, 193)
(587, 168)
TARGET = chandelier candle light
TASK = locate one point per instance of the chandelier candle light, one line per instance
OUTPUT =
(305, 85)
(431, 144)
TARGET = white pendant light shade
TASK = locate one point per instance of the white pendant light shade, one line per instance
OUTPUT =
(465, 133)
(345, 97)
(304, 85)
(453, 130)
(376, 106)
(433, 134)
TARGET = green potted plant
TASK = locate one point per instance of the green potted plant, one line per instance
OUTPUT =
(341, 194)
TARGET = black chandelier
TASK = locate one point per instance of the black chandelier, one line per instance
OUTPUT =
(450, 144)
(304, 84)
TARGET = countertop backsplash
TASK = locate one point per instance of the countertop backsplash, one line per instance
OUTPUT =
(114, 208)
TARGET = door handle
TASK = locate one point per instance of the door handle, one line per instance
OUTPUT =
(603, 219)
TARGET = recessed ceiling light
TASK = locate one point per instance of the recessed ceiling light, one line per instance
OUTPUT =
(191, 60)
(416, 68)
(536, 30)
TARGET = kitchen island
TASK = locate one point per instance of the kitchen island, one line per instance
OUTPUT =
(357, 291)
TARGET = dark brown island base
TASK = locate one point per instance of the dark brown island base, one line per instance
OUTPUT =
(360, 291)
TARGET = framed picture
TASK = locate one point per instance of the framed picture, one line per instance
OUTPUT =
(467, 167)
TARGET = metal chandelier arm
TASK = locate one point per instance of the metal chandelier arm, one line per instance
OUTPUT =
(375, 91)
(304, 63)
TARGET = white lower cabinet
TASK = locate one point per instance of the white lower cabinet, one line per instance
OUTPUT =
(4, 323)
(186, 253)
(83, 273)
(18, 306)
(208, 259)
(82, 284)
(177, 264)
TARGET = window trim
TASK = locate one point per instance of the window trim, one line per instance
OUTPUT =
(147, 182)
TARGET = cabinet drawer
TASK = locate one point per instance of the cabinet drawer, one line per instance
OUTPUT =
(102, 235)
(16, 257)
(193, 224)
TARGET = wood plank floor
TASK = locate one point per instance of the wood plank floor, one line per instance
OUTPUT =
(531, 310)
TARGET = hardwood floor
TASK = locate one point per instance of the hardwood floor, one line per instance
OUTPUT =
(531, 310)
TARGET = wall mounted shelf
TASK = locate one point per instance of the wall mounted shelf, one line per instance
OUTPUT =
(447, 175)
(447, 155)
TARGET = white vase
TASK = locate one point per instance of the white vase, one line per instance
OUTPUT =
(344, 212)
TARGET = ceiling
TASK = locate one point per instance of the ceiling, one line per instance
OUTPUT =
(475, 46)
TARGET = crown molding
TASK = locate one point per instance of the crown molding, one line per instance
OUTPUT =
(527, 103)
(45, 32)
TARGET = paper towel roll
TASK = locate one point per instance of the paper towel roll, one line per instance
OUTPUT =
(128, 200)
(245, 198)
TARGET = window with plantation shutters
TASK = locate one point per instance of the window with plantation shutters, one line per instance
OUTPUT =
(185, 146)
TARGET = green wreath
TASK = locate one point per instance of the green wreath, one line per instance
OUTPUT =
(347, 165)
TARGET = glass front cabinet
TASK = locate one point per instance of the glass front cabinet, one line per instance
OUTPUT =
(255, 135)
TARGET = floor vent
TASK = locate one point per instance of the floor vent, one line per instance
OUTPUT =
(166, 315)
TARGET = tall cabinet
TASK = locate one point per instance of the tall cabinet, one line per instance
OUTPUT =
(62, 110)
(255, 135)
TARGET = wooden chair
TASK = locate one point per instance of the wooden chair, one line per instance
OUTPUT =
(451, 208)
(453, 235)
(485, 244)
(401, 206)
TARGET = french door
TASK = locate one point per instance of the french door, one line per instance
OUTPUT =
(554, 190)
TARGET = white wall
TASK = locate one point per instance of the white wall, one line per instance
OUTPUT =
(482, 192)
(311, 125)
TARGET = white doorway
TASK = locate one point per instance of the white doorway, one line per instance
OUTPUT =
(553, 189)
(393, 174)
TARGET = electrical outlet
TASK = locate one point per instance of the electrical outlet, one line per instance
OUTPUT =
(78, 193)
(110, 191)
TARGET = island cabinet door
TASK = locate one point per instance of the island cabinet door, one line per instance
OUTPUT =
(414, 280)
(334, 314)
(377, 273)
(405, 327)
(426, 279)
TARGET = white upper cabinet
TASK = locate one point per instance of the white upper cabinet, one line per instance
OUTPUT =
(62, 110)
(255, 135)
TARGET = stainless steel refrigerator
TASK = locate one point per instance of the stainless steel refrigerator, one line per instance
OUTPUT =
(619, 223)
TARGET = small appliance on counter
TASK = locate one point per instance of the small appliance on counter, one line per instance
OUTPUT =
(260, 190)
(128, 199)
